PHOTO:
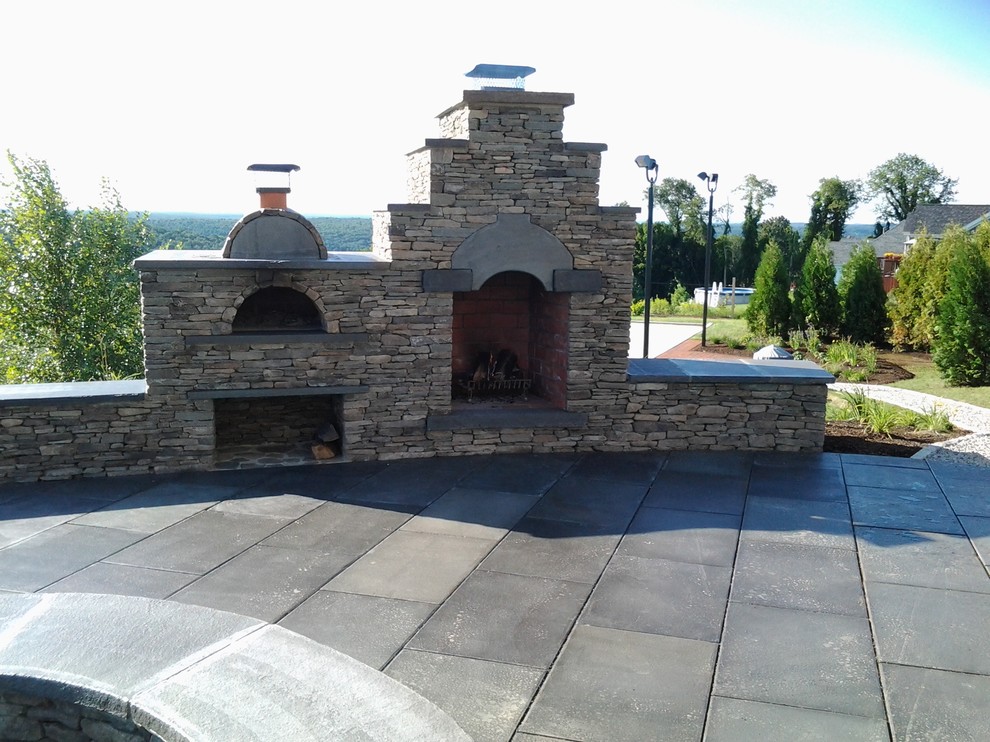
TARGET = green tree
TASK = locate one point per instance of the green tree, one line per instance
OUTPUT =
(921, 282)
(769, 312)
(831, 205)
(71, 309)
(778, 229)
(962, 342)
(817, 298)
(683, 206)
(864, 303)
(756, 194)
(903, 182)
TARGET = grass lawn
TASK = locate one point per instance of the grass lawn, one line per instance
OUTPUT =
(926, 379)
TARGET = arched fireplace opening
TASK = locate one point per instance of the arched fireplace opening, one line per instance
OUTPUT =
(509, 341)
(277, 309)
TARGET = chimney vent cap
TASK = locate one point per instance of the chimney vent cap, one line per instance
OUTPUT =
(500, 76)
(273, 167)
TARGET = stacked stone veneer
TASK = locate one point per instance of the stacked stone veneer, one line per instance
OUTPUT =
(36, 719)
(500, 191)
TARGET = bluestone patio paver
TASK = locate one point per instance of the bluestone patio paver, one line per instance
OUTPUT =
(936, 560)
(792, 521)
(942, 629)
(481, 582)
(505, 618)
(912, 510)
(682, 536)
(736, 720)
(121, 579)
(368, 628)
(928, 704)
(279, 580)
(199, 543)
(810, 578)
(659, 596)
(405, 566)
(487, 699)
(790, 657)
(624, 686)
(34, 563)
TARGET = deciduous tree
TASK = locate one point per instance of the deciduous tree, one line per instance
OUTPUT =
(831, 205)
(70, 309)
(757, 194)
(905, 181)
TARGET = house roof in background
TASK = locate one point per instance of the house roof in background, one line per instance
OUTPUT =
(936, 218)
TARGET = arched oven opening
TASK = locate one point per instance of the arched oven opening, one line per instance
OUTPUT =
(277, 309)
(509, 342)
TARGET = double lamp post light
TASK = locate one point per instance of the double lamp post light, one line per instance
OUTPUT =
(650, 166)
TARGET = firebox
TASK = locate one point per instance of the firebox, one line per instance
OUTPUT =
(277, 309)
(509, 339)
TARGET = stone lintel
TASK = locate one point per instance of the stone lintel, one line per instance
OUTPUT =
(577, 281)
(585, 147)
(408, 208)
(630, 210)
(448, 280)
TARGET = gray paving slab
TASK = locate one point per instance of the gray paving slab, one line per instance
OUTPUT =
(789, 657)
(159, 507)
(405, 566)
(413, 482)
(799, 480)
(936, 560)
(323, 482)
(890, 477)
(659, 596)
(367, 628)
(279, 580)
(942, 629)
(476, 513)
(29, 515)
(621, 686)
(259, 501)
(788, 460)
(120, 579)
(912, 510)
(736, 720)
(575, 552)
(53, 554)
(714, 492)
(273, 684)
(129, 643)
(930, 704)
(967, 488)
(810, 578)
(487, 699)
(199, 543)
(597, 502)
(635, 468)
(530, 474)
(706, 463)
(888, 461)
(978, 531)
(339, 527)
(105, 489)
(682, 536)
(792, 521)
(505, 618)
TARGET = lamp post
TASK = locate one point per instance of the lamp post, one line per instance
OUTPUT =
(711, 181)
(650, 166)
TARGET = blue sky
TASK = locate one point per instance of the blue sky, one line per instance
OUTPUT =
(172, 101)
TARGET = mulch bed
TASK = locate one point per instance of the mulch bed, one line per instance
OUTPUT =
(844, 437)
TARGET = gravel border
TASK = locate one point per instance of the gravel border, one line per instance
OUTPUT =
(973, 449)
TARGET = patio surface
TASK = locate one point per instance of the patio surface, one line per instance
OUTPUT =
(681, 596)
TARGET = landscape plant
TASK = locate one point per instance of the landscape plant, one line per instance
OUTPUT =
(921, 283)
(961, 350)
(70, 306)
(816, 298)
(769, 311)
(864, 302)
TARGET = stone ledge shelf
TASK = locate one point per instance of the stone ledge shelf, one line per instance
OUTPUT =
(188, 673)
(212, 259)
(278, 338)
(85, 392)
(729, 371)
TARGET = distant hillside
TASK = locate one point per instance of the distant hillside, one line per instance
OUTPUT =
(856, 231)
(208, 231)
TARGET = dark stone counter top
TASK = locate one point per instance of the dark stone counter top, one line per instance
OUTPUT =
(731, 370)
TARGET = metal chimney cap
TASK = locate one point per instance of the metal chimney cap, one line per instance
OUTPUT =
(500, 71)
(274, 168)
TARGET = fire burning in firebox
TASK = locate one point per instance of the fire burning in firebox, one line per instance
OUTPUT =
(496, 372)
